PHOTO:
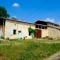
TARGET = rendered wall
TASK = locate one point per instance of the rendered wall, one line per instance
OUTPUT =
(44, 32)
(23, 27)
(53, 32)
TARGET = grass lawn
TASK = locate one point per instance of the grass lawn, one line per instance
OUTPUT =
(27, 50)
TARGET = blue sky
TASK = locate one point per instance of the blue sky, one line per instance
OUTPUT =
(32, 10)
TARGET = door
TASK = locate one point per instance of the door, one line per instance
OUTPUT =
(19, 34)
(38, 33)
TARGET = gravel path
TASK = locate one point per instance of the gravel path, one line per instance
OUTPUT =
(54, 57)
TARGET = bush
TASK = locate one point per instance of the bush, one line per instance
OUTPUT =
(2, 37)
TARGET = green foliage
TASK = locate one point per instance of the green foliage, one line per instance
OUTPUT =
(28, 50)
(3, 12)
(2, 37)
(31, 30)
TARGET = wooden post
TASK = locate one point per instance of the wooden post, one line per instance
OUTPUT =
(3, 29)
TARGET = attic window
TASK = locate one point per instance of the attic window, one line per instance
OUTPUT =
(40, 26)
(44, 27)
(37, 26)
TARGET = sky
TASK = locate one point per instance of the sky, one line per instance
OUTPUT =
(33, 10)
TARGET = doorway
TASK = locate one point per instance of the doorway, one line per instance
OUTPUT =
(38, 33)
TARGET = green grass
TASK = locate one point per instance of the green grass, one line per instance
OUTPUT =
(27, 50)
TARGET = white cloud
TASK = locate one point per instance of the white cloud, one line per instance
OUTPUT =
(16, 5)
(50, 20)
(14, 17)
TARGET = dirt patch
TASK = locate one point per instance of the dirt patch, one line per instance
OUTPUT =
(54, 57)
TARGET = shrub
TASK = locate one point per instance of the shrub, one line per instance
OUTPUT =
(2, 37)
(32, 32)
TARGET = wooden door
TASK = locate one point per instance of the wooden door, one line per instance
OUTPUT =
(38, 33)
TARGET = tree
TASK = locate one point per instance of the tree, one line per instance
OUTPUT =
(32, 32)
(3, 12)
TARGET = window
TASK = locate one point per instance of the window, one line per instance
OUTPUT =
(40, 26)
(19, 31)
(14, 31)
(29, 33)
(37, 26)
(44, 27)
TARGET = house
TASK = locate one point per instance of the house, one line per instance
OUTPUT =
(47, 29)
(13, 29)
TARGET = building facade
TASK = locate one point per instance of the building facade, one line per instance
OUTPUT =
(47, 29)
(14, 29)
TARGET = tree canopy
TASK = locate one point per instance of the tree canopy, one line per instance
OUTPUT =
(3, 12)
